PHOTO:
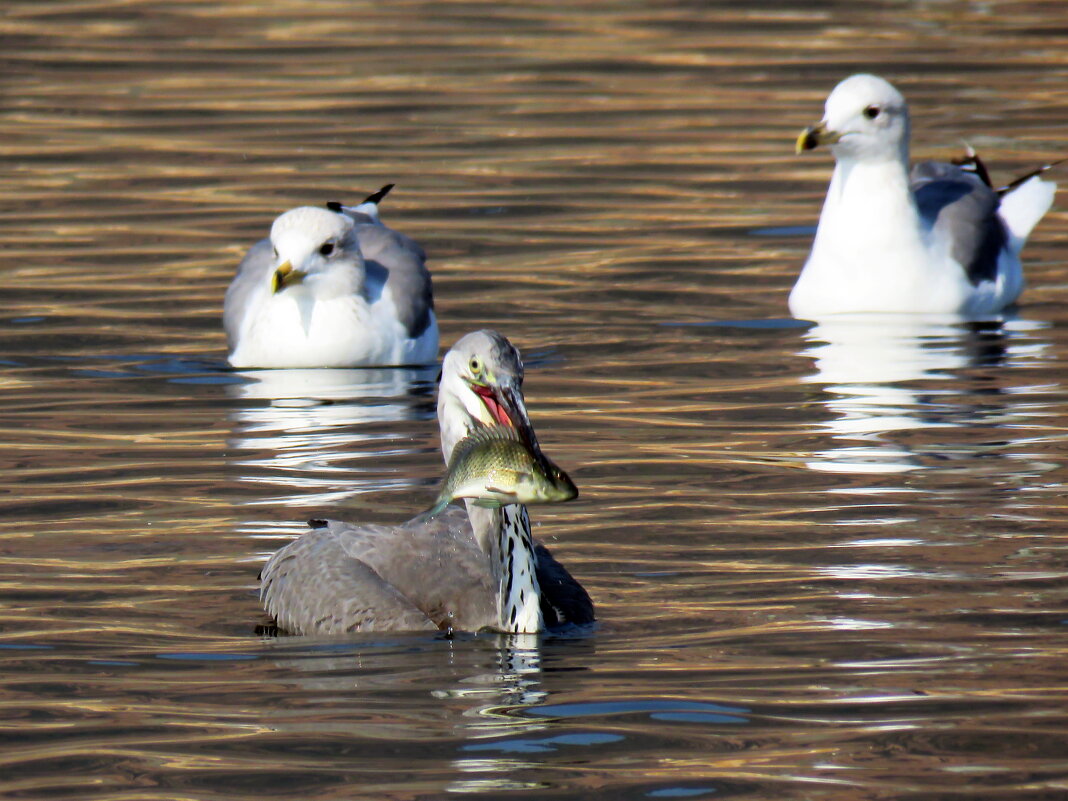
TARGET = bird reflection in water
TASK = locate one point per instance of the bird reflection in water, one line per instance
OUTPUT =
(297, 430)
(890, 374)
(486, 687)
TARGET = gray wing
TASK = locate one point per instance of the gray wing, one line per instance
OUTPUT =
(398, 256)
(310, 587)
(409, 279)
(424, 574)
(249, 281)
(958, 204)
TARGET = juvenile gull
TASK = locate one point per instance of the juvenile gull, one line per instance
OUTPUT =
(331, 287)
(940, 240)
(462, 569)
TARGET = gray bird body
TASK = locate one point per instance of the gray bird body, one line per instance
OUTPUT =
(420, 575)
(466, 570)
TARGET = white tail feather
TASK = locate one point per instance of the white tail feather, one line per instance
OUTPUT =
(370, 209)
(1023, 207)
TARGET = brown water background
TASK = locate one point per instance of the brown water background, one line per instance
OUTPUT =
(829, 563)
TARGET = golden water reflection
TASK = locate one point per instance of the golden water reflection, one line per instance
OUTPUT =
(296, 432)
(827, 565)
(887, 374)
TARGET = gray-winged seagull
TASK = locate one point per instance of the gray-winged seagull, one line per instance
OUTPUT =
(940, 240)
(331, 287)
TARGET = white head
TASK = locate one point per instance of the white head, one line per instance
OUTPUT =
(481, 382)
(316, 249)
(865, 119)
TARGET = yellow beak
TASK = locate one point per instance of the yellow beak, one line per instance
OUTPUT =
(285, 276)
(815, 136)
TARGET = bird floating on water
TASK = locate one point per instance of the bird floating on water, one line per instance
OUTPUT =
(332, 287)
(940, 240)
(464, 569)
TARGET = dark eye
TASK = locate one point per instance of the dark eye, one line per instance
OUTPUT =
(326, 249)
(871, 112)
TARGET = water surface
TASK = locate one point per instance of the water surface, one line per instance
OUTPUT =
(829, 561)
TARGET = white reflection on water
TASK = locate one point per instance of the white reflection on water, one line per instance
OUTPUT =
(515, 683)
(301, 429)
(870, 367)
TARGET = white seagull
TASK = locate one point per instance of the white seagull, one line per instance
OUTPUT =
(940, 240)
(331, 287)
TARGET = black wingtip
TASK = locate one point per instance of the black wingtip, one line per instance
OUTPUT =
(1028, 176)
(317, 522)
(972, 163)
(335, 207)
(376, 197)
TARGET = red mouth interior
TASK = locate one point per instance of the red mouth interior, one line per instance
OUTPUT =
(495, 409)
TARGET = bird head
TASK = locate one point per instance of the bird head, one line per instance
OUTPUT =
(865, 118)
(316, 249)
(482, 385)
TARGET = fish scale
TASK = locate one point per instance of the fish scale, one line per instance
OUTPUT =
(494, 466)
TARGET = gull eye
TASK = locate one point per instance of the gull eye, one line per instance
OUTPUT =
(326, 249)
(871, 112)
(475, 365)
(275, 252)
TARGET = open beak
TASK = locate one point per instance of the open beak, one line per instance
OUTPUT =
(505, 406)
(815, 136)
(285, 276)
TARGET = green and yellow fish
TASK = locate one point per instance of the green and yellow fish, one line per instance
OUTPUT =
(495, 467)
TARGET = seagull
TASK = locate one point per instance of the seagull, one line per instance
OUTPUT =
(464, 569)
(331, 287)
(938, 240)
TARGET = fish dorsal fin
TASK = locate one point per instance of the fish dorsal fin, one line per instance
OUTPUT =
(480, 435)
(483, 434)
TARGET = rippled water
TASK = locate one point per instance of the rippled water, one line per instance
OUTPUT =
(829, 562)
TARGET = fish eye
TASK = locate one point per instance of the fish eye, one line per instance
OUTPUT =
(326, 249)
(871, 112)
(475, 365)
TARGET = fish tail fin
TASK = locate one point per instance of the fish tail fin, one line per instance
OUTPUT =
(436, 509)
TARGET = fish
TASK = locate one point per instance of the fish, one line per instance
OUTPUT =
(495, 466)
